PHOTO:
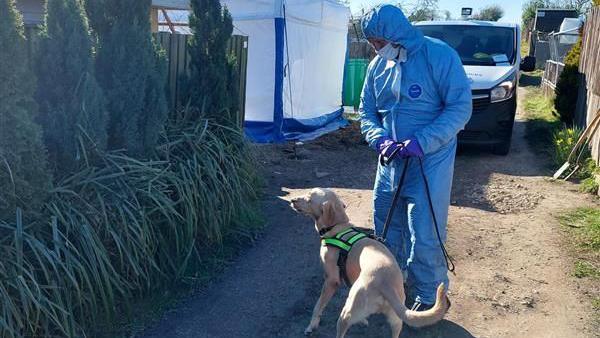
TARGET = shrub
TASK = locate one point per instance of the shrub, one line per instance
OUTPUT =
(211, 86)
(567, 86)
(125, 228)
(589, 185)
(24, 178)
(70, 100)
(131, 70)
(563, 141)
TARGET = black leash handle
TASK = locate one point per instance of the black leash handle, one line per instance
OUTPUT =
(390, 214)
(386, 161)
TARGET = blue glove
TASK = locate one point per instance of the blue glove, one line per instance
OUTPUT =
(411, 148)
(387, 147)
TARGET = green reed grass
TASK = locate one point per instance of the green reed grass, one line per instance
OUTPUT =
(125, 228)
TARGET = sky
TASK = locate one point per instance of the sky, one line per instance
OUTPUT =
(512, 8)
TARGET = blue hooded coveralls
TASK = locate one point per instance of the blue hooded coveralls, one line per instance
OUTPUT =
(433, 105)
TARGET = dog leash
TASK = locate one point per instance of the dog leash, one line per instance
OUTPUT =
(383, 161)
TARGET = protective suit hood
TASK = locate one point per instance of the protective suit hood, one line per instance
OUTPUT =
(389, 23)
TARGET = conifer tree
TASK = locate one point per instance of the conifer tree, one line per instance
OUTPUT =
(211, 85)
(70, 100)
(24, 178)
(131, 70)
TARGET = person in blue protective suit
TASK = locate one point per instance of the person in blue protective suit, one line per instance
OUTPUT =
(415, 100)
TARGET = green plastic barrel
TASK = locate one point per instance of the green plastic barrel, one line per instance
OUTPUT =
(356, 69)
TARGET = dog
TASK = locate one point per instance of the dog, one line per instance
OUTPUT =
(376, 278)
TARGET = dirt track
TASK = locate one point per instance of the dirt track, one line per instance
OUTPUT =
(512, 275)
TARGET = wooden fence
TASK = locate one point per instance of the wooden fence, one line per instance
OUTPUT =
(588, 103)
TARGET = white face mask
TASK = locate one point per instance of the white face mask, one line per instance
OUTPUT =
(389, 52)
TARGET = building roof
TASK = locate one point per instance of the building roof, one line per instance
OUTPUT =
(549, 19)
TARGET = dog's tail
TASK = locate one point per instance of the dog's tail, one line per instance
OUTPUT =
(417, 318)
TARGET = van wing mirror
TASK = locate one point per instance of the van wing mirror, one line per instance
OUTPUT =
(528, 64)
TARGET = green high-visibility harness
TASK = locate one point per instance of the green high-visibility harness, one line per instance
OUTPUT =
(344, 241)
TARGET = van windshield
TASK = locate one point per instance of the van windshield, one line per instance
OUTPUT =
(476, 45)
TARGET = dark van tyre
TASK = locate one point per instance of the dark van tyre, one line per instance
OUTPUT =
(502, 148)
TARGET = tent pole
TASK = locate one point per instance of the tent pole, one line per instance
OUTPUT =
(289, 73)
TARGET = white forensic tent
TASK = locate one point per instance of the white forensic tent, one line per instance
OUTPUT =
(296, 56)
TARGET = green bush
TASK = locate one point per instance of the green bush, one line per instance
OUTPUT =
(563, 142)
(125, 228)
(70, 100)
(132, 72)
(24, 178)
(567, 86)
(589, 185)
(211, 86)
(564, 139)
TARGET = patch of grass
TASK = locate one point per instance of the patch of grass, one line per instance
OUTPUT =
(584, 225)
(542, 123)
(589, 186)
(549, 136)
(584, 234)
(537, 106)
(584, 269)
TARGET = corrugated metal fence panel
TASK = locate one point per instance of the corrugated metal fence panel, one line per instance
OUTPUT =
(239, 48)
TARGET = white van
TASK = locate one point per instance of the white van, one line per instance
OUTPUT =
(491, 55)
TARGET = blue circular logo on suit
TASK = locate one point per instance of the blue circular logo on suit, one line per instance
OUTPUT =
(415, 91)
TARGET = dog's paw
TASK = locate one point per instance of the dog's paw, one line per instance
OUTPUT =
(308, 331)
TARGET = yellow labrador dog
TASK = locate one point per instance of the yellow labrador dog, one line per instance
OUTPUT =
(377, 282)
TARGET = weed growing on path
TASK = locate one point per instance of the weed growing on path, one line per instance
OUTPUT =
(584, 229)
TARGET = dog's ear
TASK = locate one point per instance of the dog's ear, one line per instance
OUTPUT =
(328, 215)
(339, 211)
(333, 213)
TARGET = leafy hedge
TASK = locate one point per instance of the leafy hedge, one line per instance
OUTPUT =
(24, 177)
(567, 86)
(70, 99)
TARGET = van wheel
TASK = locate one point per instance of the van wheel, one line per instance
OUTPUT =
(502, 149)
